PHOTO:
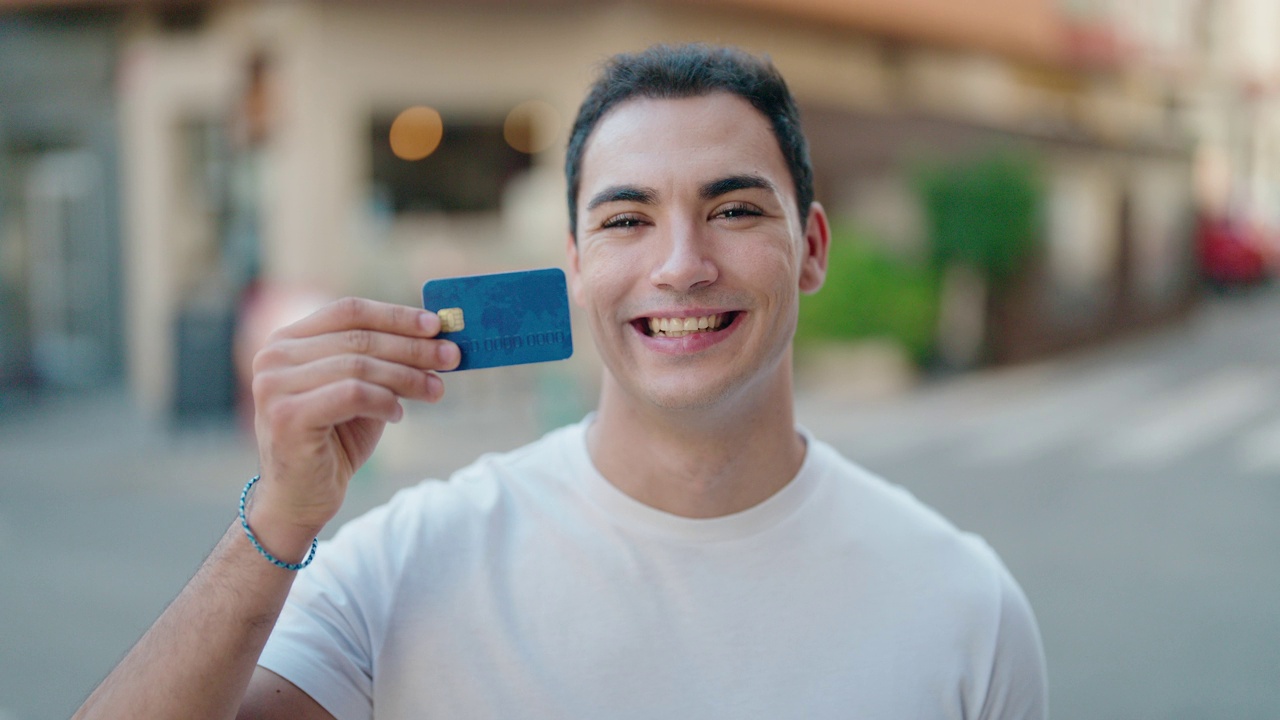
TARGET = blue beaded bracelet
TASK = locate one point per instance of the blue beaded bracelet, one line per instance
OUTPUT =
(244, 522)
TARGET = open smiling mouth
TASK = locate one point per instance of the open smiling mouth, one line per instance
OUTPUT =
(679, 327)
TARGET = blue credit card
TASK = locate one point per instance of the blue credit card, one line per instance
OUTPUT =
(505, 318)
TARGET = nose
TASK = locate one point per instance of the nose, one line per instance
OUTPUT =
(684, 262)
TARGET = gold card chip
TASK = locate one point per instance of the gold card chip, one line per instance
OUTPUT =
(450, 319)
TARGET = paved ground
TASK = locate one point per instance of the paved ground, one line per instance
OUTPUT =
(1133, 491)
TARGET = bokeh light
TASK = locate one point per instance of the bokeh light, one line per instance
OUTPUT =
(416, 133)
(532, 126)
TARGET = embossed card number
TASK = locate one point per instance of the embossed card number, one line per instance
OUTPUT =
(505, 318)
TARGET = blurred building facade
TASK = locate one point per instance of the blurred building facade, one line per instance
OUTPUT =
(253, 152)
(61, 310)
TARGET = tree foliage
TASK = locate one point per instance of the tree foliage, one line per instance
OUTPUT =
(868, 294)
(982, 211)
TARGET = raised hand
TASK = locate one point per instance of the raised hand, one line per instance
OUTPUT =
(323, 390)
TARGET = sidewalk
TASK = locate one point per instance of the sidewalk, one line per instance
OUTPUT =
(105, 514)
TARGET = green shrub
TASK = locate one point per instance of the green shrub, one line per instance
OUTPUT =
(982, 211)
(871, 294)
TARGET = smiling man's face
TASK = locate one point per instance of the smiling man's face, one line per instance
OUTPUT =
(691, 253)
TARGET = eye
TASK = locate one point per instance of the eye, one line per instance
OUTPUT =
(625, 220)
(737, 210)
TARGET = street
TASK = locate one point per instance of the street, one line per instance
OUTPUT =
(1132, 490)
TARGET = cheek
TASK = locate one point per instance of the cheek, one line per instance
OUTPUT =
(772, 267)
(577, 290)
(602, 278)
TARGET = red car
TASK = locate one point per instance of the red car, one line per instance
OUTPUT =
(1230, 252)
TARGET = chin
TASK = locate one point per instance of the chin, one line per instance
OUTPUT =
(694, 394)
(684, 401)
(696, 387)
(668, 391)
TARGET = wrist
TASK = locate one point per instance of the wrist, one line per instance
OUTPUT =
(284, 544)
(285, 540)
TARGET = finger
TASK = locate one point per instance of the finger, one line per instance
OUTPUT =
(334, 404)
(360, 313)
(404, 381)
(415, 352)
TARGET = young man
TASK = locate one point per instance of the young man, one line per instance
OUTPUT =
(684, 551)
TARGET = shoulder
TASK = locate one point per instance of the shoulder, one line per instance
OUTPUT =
(949, 583)
(882, 508)
(896, 532)
(486, 490)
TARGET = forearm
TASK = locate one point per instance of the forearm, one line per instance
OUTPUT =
(323, 389)
(196, 660)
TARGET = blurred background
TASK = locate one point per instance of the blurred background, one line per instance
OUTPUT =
(1049, 313)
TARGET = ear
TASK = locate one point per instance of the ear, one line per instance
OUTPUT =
(817, 241)
(575, 273)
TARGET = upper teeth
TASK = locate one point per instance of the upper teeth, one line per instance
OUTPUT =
(675, 327)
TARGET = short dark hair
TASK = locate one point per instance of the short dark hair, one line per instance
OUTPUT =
(682, 71)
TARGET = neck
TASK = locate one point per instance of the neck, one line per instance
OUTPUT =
(699, 462)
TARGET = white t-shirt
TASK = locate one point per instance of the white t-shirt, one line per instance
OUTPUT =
(530, 587)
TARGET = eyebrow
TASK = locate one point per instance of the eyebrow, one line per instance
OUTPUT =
(716, 188)
(649, 196)
(623, 193)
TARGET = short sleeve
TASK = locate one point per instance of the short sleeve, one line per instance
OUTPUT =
(330, 628)
(1018, 686)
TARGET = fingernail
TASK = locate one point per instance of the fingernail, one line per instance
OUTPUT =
(448, 354)
(398, 415)
(429, 322)
(435, 387)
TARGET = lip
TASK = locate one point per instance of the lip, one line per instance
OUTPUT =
(687, 344)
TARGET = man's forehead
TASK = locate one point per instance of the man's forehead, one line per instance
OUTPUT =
(720, 108)
(719, 134)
